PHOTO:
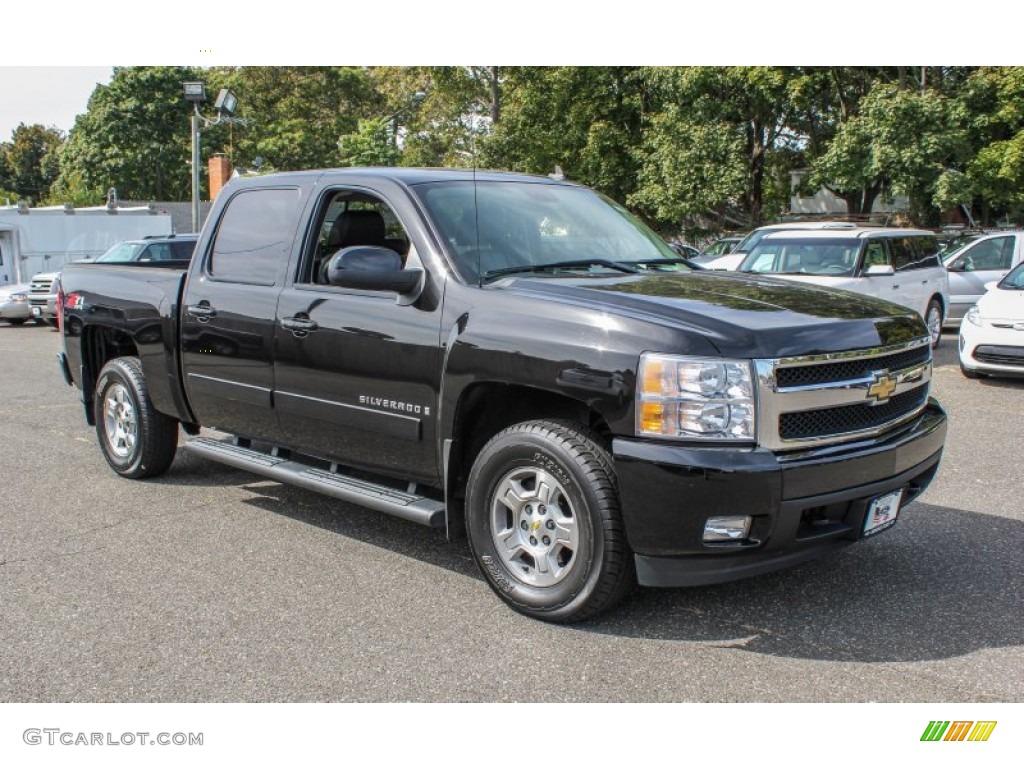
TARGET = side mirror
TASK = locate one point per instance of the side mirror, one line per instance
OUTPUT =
(957, 265)
(876, 270)
(371, 268)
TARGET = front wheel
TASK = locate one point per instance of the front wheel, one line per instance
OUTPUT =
(933, 319)
(136, 439)
(544, 524)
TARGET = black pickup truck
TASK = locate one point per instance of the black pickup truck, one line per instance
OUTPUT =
(519, 361)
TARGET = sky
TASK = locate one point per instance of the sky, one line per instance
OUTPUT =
(50, 96)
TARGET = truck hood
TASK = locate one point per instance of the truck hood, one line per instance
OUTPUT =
(742, 316)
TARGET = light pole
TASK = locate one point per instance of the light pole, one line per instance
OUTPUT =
(195, 94)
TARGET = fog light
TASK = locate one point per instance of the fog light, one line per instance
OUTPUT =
(732, 528)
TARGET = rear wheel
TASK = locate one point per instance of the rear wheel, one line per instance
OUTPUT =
(137, 440)
(933, 319)
(544, 524)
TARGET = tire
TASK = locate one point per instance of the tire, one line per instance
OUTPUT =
(543, 522)
(933, 319)
(18, 321)
(137, 440)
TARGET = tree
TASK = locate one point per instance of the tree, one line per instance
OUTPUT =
(585, 119)
(29, 162)
(371, 144)
(133, 136)
(901, 140)
(295, 115)
(727, 123)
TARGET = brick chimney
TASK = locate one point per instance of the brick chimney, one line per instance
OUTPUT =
(220, 173)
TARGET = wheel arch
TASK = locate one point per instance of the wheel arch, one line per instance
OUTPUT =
(486, 408)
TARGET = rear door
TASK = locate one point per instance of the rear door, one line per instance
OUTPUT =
(229, 311)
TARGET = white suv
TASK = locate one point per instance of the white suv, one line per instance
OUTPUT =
(734, 258)
(899, 265)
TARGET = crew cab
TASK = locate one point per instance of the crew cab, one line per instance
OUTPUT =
(519, 361)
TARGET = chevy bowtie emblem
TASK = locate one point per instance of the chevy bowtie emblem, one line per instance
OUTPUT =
(882, 387)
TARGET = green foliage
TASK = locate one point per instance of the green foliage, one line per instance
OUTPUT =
(29, 162)
(900, 139)
(294, 115)
(680, 144)
(585, 119)
(134, 136)
(371, 144)
(710, 139)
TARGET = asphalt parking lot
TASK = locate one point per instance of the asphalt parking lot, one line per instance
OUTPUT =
(210, 584)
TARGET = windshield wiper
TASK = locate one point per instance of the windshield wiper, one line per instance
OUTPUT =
(559, 265)
(662, 262)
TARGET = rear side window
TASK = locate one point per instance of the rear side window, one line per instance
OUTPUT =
(181, 250)
(255, 236)
(927, 248)
(902, 251)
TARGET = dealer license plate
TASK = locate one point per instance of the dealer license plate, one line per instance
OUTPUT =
(882, 513)
(36, 312)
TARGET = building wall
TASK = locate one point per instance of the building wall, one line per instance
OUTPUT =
(824, 202)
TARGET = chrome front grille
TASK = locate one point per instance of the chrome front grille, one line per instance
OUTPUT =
(825, 399)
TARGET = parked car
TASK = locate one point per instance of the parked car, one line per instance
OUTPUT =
(720, 247)
(992, 338)
(985, 259)
(899, 265)
(734, 258)
(14, 306)
(164, 248)
(684, 250)
(42, 297)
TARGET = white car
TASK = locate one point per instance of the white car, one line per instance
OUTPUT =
(898, 265)
(14, 306)
(732, 260)
(992, 334)
(974, 265)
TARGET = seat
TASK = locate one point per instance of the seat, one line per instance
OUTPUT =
(353, 228)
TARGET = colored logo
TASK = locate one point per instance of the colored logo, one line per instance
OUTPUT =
(882, 387)
(958, 730)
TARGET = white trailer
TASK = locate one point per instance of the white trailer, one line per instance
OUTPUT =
(34, 240)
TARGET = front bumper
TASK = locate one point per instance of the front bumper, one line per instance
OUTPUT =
(992, 350)
(15, 310)
(803, 504)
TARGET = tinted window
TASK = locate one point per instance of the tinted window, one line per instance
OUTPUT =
(927, 248)
(902, 251)
(254, 236)
(996, 253)
(182, 249)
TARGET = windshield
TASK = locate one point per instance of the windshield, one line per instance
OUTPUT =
(503, 227)
(747, 243)
(803, 256)
(1014, 281)
(120, 252)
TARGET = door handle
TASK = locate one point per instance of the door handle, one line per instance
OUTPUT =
(201, 312)
(299, 326)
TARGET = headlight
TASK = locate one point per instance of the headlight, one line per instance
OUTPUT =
(19, 297)
(974, 315)
(695, 398)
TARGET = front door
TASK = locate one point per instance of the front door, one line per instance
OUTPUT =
(980, 263)
(357, 372)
